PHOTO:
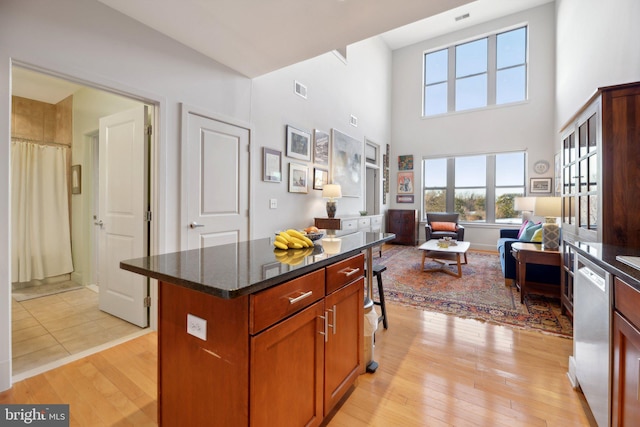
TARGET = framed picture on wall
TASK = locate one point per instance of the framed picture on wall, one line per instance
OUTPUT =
(320, 147)
(320, 178)
(405, 163)
(76, 179)
(404, 198)
(298, 178)
(346, 163)
(405, 182)
(272, 165)
(298, 144)
(540, 185)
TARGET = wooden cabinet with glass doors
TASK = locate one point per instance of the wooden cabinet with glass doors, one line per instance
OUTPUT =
(600, 175)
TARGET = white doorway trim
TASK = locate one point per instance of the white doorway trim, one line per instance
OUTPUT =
(158, 186)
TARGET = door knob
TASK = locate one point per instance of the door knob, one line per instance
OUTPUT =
(100, 223)
(195, 225)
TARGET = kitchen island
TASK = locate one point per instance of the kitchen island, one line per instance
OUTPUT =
(249, 338)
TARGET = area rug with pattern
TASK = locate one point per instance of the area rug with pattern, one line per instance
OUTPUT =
(479, 294)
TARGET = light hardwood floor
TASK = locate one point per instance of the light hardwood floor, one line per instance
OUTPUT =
(434, 370)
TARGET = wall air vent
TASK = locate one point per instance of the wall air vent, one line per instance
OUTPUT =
(461, 17)
(353, 121)
(300, 89)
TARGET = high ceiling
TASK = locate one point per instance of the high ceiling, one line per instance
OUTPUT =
(255, 37)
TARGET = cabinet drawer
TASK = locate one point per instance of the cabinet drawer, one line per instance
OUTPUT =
(349, 224)
(364, 223)
(274, 304)
(627, 301)
(343, 272)
(376, 221)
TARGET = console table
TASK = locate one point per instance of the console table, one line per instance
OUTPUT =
(534, 253)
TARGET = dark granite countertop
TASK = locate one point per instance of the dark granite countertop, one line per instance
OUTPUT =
(233, 270)
(605, 256)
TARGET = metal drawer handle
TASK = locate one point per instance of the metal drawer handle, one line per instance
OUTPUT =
(335, 322)
(195, 225)
(326, 327)
(300, 297)
(350, 271)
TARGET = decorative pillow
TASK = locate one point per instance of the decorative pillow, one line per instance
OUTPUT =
(537, 236)
(524, 227)
(443, 226)
(529, 232)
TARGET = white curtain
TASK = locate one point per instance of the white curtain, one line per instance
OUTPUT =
(40, 235)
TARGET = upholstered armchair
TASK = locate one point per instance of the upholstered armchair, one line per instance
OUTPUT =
(442, 224)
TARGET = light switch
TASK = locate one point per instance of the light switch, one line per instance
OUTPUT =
(273, 203)
(197, 327)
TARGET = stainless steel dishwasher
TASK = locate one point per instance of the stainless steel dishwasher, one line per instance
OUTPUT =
(592, 336)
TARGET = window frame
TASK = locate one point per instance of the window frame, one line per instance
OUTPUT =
(491, 188)
(492, 72)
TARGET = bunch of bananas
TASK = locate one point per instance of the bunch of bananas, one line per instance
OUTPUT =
(292, 256)
(292, 239)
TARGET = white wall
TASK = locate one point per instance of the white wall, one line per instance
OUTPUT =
(335, 91)
(86, 41)
(597, 45)
(526, 126)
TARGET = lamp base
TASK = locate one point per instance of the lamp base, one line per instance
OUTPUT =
(331, 208)
(550, 236)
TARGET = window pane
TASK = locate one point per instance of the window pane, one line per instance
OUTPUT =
(504, 205)
(470, 204)
(471, 58)
(511, 85)
(509, 169)
(435, 99)
(471, 92)
(471, 171)
(436, 66)
(435, 200)
(511, 48)
(435, 173)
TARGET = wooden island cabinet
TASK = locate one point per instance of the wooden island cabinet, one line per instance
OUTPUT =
(281, 351)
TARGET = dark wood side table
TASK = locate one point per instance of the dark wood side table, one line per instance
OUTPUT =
(534, 253)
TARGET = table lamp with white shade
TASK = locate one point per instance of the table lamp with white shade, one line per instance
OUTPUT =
(550, 209)
(526, 205)
(331, 192)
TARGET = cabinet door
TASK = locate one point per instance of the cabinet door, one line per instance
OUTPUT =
(344, 341)
(286, 371)
(626, 373)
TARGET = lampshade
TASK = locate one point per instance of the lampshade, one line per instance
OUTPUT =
(526, 204)
(331, 191)
(547, 207)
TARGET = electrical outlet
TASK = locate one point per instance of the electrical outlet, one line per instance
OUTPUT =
(197, 327)
(273, 203)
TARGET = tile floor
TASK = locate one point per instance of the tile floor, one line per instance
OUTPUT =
(53, 327)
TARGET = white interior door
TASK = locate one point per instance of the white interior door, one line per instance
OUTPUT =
(217, 176)
(123, 202)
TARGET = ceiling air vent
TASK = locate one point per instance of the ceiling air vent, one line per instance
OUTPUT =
(300, 89)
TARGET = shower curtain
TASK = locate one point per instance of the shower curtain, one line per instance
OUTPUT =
(40, 231)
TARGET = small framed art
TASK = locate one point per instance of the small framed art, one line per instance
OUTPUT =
(298, 178)
(320, 178)
(298, 144)
(76, 179)
(405, 182)
(404, 198)
(540, 185)
(405, 163)
(272, 165)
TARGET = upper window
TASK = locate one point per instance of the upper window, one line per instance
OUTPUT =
(487, 71)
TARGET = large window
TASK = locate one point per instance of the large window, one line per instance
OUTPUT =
(487, 71)
(480, 188)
